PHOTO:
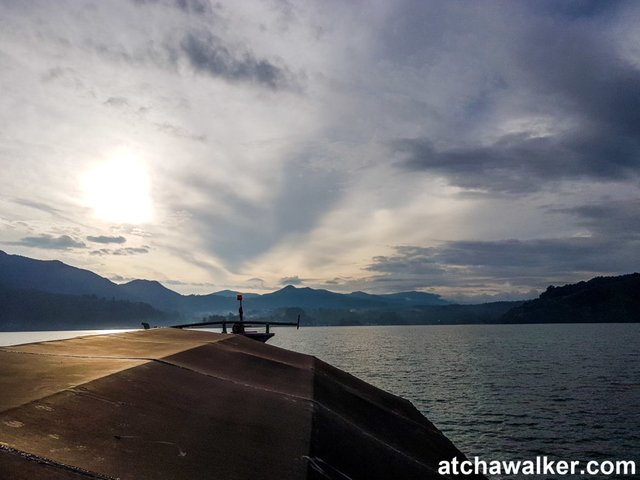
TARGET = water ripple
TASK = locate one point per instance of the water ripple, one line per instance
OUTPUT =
(502, 391)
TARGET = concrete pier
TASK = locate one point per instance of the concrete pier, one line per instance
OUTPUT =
(179, 404)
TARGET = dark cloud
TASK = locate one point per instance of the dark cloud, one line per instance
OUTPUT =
(256, 282)
(521, 263)
(618, 219)
(207, 53)
(106, 239)
(57, 72)
(198, 7)
(568, 72)
(37, 205)
(575, 9)
(544, 255)
(117, 102)
(121, 251)
(408, 260)
(62, 242)
(179, 132)
(131, 251)
(522, 163)
(580, 69)
(294, 280)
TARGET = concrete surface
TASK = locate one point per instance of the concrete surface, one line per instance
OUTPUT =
(180, 404)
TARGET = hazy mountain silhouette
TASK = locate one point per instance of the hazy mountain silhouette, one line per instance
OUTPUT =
(306, 297)
(23, 273)
(51, 294)
(35, 310)
(153, 293)
(53, 276)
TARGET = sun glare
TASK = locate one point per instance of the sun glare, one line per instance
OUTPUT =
(119, 190)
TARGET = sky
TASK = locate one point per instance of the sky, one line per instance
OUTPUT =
(478, 150)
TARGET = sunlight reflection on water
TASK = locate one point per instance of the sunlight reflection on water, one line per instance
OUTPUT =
(17, 338)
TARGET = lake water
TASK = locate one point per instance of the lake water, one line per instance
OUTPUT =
(16, 338)
(499, 392)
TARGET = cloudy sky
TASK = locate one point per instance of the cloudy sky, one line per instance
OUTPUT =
(474, 149)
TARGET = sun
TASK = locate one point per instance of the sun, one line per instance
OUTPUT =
(119, 189)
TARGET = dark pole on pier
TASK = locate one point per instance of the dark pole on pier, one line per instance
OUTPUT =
(240, 311)
(239, 327)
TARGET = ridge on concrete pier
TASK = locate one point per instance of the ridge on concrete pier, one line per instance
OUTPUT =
(179, 404)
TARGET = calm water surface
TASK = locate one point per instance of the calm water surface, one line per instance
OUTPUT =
(16, 338)
(569, 391)
(500, 392)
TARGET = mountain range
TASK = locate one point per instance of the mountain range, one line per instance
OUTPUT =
(51, 295)
(22, 274)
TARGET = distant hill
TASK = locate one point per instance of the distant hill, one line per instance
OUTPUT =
(53, 276)
(34, 310)
(310, 298)
(306, 297)
(601, 299)
(153, 293)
